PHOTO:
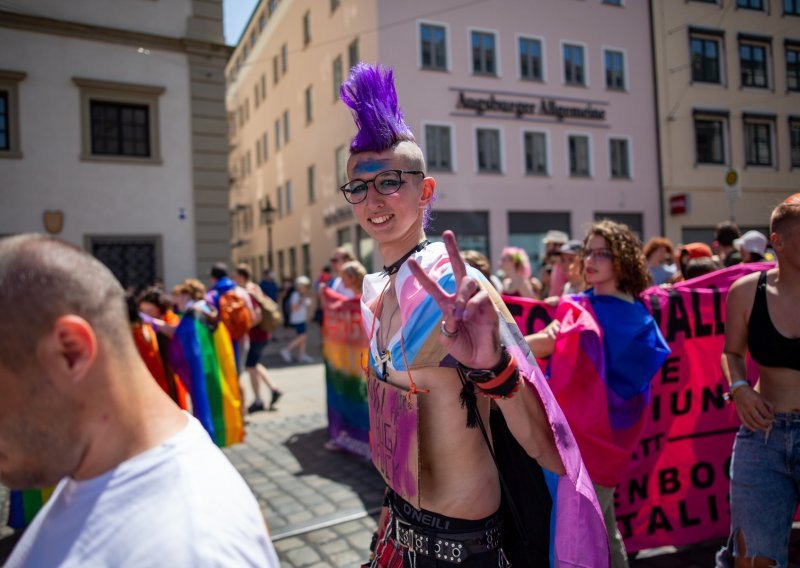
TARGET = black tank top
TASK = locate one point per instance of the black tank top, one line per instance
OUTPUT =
(766, 345)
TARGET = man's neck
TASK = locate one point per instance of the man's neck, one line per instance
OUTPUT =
(128, 417)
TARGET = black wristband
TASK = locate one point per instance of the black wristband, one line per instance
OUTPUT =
(505, 389)
(485, 375)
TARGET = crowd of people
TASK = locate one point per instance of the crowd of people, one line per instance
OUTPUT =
(487, 463)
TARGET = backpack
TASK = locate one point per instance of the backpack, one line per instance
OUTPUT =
(271, 316)
(235, 314)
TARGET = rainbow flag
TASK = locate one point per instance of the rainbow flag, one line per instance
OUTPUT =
(25, 504)
(202, 356)
(344, 350)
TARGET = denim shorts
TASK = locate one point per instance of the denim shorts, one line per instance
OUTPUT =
(765, 489)
(300, 328)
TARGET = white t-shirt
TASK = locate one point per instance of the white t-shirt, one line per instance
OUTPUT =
(299, 314)
(179, 504)
(338, 286)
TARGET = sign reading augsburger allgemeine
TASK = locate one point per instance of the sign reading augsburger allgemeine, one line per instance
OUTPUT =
(547, 106)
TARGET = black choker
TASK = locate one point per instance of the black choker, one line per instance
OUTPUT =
(395, 266)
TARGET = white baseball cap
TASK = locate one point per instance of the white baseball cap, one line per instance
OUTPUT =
(752, 241)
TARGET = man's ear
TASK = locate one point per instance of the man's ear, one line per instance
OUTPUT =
(428, 189)
(776, 241)
(69, 349)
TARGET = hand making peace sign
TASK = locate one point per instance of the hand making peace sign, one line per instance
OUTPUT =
(470, 322)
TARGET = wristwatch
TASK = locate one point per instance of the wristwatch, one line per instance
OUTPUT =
(486, 375)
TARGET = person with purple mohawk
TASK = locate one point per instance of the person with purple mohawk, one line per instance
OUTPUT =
(481, 466)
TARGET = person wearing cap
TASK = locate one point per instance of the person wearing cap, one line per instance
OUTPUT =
(726, 232)
(763, 321)
(570, 260)
(752, 246)
(657, 252)
(686, 253)
(455, 398)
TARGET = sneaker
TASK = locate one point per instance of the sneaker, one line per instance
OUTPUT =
(276, 395)
(286, 355)
(305, 359)
(257, 406)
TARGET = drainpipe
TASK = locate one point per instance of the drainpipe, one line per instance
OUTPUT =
(658, 126)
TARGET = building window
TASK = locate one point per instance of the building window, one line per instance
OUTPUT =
(309, 105)
(275, 70)
(750, 4)
(705, 55)
(258, 153)
(119, 129)
(264, 147)
(791, 7)
(758, 142)
(277, 133)
(709, 135)
(753, 64)
(530, 59)
(119, 121)
(618, 151)
(613, 2)
(352, 53)
(288, 197)
(527, 230)
(794, 141)
(9, 114)
(438, 148)
(484, 55)
(337, 77)
(334, 5)
(286, 127)
(306, 28)
(341, 166)
(284, 59)
(471, 229)
(312, 189)
(256, 94)
(343, 236)
(488, 141)
(535, 153)
(574, 67)
(263, 86)
(262, 22)
(579, 164)
(615, 70)
(281, 265)
(793, 66)
(433, 47)
(279, 192)
(305, 252)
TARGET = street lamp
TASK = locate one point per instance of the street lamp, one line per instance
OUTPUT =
(268, 213)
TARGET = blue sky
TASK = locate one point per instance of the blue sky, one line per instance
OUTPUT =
(235, 16)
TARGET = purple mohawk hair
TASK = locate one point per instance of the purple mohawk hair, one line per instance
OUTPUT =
(370, 94)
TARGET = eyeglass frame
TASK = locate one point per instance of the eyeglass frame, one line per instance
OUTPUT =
(399, 173)
(598, 254)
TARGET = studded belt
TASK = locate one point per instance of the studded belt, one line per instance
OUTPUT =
(453, 547)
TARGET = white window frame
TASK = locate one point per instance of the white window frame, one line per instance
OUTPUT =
(726, 141)
(548, 152)
(626, 87)
(9, 82)
(629, 142)
(501, 145)
(589, 153)
(448, 50)
(452, 127)
(541, 41)
(498, 63)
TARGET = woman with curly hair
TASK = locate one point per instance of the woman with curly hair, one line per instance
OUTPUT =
(628, 343)
(516, 266)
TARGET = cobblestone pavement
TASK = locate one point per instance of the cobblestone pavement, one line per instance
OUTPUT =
(321, 506)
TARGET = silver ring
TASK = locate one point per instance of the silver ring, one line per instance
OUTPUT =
(447, 334)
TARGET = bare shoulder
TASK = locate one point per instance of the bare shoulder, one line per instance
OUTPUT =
(744, 286)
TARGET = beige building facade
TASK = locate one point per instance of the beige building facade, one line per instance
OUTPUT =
(538, 116)
(728, 74)
(113, 132)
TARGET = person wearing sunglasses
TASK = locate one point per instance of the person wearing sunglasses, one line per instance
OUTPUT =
(444, 351)
(629, 344)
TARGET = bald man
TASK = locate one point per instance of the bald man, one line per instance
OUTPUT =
(139, 482)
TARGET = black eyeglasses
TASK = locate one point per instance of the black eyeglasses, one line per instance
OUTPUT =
(385, 183)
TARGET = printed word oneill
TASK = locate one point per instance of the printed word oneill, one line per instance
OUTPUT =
(522, 108)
